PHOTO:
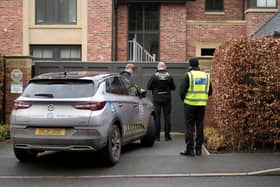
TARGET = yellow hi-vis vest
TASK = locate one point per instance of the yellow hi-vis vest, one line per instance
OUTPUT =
(199, 83)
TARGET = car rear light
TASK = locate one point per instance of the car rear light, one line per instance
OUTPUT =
(90, 105)
(21, 105)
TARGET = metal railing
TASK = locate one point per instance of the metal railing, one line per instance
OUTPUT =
(137, 53)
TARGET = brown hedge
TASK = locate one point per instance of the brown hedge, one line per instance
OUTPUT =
(246, 83)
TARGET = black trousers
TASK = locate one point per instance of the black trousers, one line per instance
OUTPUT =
(166, 107)
(194, 117)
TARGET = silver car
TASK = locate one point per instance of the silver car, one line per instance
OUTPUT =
(80, 111)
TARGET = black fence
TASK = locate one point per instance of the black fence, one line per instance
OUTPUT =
(141, 77)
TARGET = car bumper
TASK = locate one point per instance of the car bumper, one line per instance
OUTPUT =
(72, 141)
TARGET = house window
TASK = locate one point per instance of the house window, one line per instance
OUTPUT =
(70, 52)
(56, 11)
(214, 5)
(143, 25)
(42, 53)
(262, 4)
(56, 52)
(266, 3)
(207, 51)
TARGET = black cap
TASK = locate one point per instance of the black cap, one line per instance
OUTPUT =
(194, 62)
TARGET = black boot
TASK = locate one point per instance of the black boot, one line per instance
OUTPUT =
(168, 137)
(198, 152)
(187, 152)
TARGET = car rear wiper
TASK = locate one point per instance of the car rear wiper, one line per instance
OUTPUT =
(44, 95)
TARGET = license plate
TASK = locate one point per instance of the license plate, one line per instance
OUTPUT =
(50, 132)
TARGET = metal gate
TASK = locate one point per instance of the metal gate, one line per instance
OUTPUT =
(141, 77)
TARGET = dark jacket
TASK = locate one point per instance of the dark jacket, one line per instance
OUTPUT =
(185, 87)
(161, 83)
(127, 75)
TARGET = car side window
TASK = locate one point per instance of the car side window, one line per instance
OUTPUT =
(115, 86)
(131, 88)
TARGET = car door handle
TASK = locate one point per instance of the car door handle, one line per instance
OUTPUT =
(120, 105)
(135, 105)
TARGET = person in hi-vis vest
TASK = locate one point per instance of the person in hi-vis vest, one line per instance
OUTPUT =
(194, 92)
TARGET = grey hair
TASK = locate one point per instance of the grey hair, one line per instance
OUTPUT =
(161, 65)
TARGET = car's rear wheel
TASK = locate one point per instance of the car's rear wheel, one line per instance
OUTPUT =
(24, 155)
(149, 139)
(112, 151)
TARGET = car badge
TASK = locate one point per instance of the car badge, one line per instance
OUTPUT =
(50, 107)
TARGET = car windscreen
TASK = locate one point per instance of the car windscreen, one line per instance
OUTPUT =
(59, 89)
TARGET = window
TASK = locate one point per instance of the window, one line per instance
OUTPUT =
(70, 53)
(43, 53)
(214, 5)
(115, 86)
(56, 11)
(143, 24)
(56, 52)
(207, 51)
(266, 3)
(60, 89)
(262, 4)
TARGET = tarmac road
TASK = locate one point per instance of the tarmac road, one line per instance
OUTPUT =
(139, 166)
(148, 182)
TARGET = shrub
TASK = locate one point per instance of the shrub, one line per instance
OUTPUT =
(247, 91)
(4, 132)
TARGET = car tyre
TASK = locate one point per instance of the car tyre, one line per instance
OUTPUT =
(112, 151)
(149, 139)
(24, 155)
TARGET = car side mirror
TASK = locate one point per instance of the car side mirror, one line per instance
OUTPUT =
(143, 93)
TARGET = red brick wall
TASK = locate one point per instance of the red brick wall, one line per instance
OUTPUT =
(211, 33)
(11, 27)
(232, 10)
(173, 32)
(255, 20)
(11, 63)
(100, 30)
(209, 120)
(1, 89)
(122, 26)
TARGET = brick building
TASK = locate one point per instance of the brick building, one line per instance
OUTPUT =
(99, 30)
(103, 30)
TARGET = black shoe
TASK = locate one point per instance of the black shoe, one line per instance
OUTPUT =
(187, 153)
(168, 138)
(198, 152)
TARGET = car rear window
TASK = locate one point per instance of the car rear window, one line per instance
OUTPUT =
(59, 89)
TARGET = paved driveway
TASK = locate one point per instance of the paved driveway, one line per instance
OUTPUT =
(139, 167)
(163, 159)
